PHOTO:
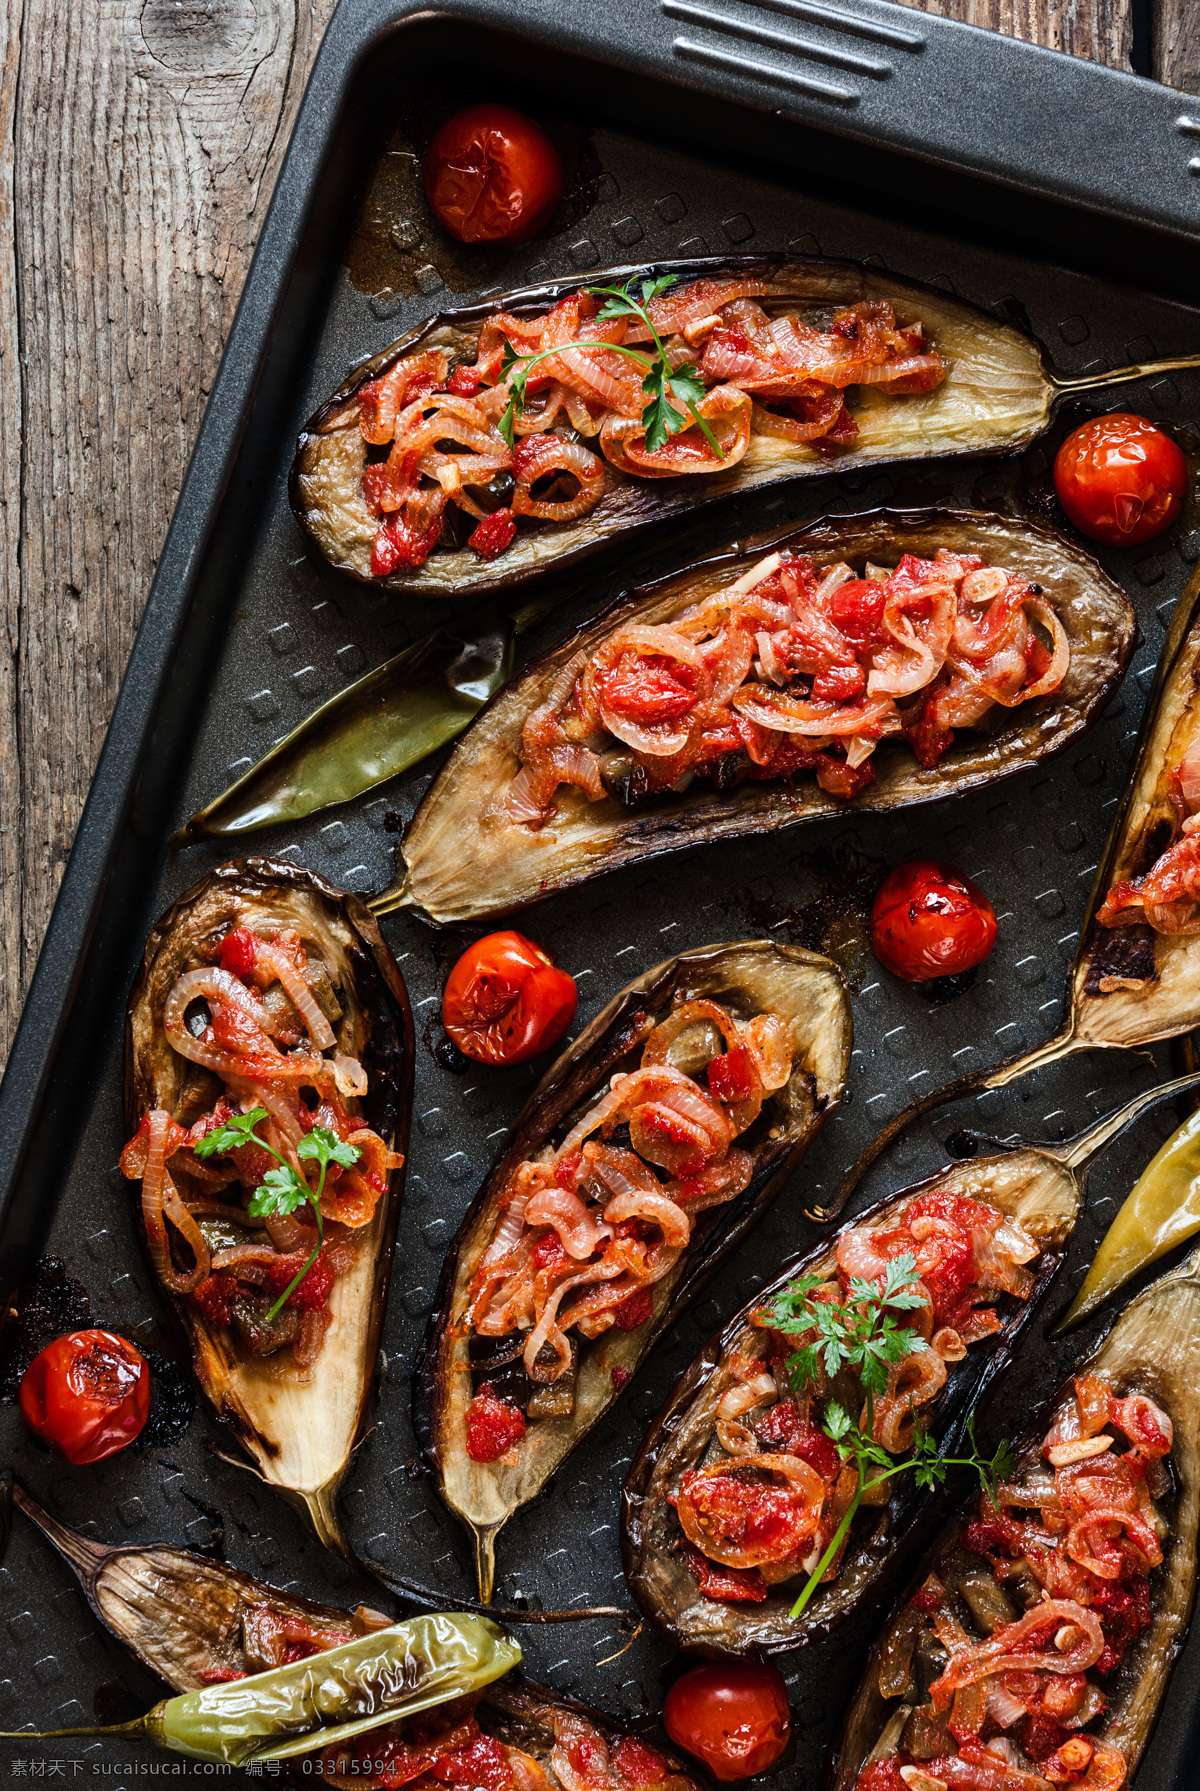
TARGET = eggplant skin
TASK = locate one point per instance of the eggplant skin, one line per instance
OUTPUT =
(1132, 985)
(464, 858)
(996, 399)
(1153, 1348)
(754, 977)
(275, 1421)
(1029, 1185)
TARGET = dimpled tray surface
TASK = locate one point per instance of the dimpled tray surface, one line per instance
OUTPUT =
(289, 633)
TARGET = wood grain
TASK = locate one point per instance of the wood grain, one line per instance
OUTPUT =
(139, 142)
(142, 142)
(1175, 45)
(1101, 30)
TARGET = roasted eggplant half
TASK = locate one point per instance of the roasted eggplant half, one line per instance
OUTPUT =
(992, 1232)
(1136, 975)
(194, 1621)
(717, 1067)
(481, 844)
(777, 341)
(268, 1078)
(935, 1705)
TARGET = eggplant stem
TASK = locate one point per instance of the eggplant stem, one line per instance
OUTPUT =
(1121, 376)
(485, 1561)
(399, 895)
(627, 1621)
(1080, 1151)
(86, 1557)
(1062, 1045)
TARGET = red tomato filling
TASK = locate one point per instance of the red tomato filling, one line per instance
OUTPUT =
(494, 1426)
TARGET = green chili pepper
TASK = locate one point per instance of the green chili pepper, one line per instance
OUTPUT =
(1162, 1210)
(374, 1680)
(374, 729)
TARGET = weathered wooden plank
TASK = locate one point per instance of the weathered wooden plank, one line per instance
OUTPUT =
(1175, 45)
(144, 138)
(1101, 30)
(11, 884)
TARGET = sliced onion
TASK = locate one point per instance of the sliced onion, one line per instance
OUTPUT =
(541, 455)
(786, 715)
(1001, 1652)
(270, 958)
(656, 1209)
(161, 1201)
(1056, 671)
(578, 1229)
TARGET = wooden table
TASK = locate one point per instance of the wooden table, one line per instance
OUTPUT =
(141, 140)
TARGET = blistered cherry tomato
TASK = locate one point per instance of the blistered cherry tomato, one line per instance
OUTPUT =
(927, 920)
(87, 1394)
(732, 1715)
(1120, 479)
(492, 176)
(506, 1000)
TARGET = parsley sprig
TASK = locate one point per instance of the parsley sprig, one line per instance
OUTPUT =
(865, 1334)
(665, 387)
(282, 1190)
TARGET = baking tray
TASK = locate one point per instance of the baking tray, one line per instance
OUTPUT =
(1001, 171)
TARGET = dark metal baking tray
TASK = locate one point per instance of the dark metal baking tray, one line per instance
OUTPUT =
(1004, 172)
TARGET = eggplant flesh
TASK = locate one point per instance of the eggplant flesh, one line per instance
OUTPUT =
(996, 398)
(1153, 1348)
(1131, 984)
(299, 1437)
(464, 857)
(1031, 1186)
(185, 1617)
(759, 976)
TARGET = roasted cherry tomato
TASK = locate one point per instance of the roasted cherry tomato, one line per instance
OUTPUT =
(732, 1715)
(929, 921)
(492, 176)
(1120, 479)
(87, 1394)
(506, 1000)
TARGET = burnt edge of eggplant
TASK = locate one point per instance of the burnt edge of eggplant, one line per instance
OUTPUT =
(654, 830)
(382, 999)
(526, 300)
(1027, 1446)
(1131, 952)
(544, 1111)
(898, 1528)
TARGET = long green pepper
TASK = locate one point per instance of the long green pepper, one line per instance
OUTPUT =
(373, 1680)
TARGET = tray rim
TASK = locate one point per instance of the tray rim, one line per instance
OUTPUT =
(358, 28)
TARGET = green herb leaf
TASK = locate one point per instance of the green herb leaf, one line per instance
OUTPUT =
(686, 385)
(324, 1147)
(660, 419)
(513, 363)
(280, 1191)
(236, 1132)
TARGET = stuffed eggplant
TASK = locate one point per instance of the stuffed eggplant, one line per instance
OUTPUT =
(652, 1145)
(1136, 976)
(1036, 1643)
(500, 438)
(268, 1079)
(737, 1495)
(889, 658)
(195, 1622)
